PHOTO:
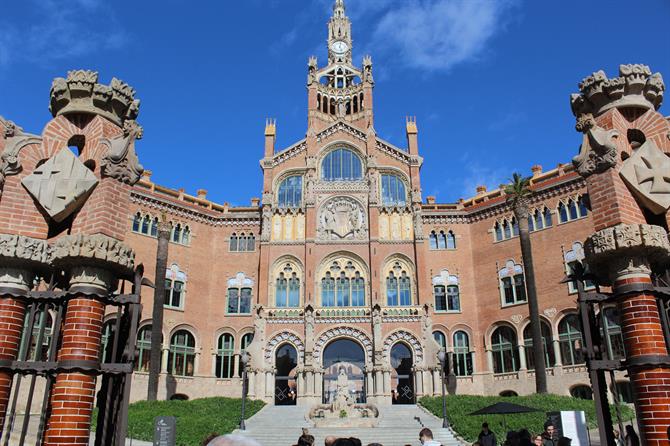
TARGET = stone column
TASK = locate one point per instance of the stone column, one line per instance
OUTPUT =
(625, 255)
(165, 357)
(20, 257)
(489, 360)
(251, 377)
(557, 353)
(236, 366)
(93, 264)
(523, 364)
(437, 382)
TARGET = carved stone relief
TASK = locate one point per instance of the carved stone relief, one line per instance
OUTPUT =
(647, 175)
(121, 161)
(16, 139)
(97, 249)
(341, 218)
(61, 185)
(281, 338)
(598, 151)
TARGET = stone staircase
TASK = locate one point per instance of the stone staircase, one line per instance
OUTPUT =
(398, 426)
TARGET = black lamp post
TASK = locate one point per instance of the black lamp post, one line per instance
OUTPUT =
(442, 357)
(244, 359)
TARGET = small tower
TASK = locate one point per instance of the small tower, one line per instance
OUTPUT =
(340, 90)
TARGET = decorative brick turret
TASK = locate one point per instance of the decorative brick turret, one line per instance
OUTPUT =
(623, 156)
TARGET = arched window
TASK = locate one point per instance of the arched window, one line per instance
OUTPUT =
(441, 340)
(570, 337)
(582, 391)
(538, 220)
(515, 227)
(107, 341)
(40, 336)
(498, 232)
(562, 213)
(451, 240)
(154, 227)
(225, 356)
(462, 355)
(614, 338)
(251, 242)
(176, 233)
(507, 230)
(146, 223)
(504, 349)
(447, 292)
(547, 218)
(549, 359)
(583, 209)
(341, 165)
(233, 242)
(175, 287)
(342, 284)
(441, 240)
(512, 284)
(239, 294)
(574, 258)
(137, 221)
(186, 236)
(287, 287)
(290, 192)
(508, 394)
(398, 284)
(143, 349)
(247, 338)
(181, 359)
(433, 240)
(572, 210)
(394, 192)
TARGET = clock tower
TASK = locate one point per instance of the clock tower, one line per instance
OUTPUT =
(340, 90)
(339, 35)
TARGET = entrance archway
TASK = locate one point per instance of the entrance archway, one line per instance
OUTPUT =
(286, 362)
(347, 355)
(402, 380)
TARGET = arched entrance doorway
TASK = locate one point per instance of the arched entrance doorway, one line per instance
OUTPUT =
(402, 380)
(347, 355)
(286, 361)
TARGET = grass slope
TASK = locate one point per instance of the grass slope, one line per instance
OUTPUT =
(196, 419)
(468, 427)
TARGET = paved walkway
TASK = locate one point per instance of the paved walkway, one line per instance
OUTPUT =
(398, 426)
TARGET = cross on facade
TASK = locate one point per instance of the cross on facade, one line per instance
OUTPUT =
(656, 170)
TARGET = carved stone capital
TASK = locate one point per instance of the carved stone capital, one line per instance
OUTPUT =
(16, 139)
(21, 258)
(626, 250)
(598, 151)
(82, 252)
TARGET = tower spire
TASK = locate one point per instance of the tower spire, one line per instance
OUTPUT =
(339, 35)
(339, 9)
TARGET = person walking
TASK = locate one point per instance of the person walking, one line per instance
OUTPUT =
(486, 436)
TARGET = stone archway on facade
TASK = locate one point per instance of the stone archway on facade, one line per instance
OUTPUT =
(348, 356)
(403, 352)
(330, 335)
(282, 338)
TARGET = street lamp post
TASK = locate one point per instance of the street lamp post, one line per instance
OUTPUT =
(442, 357)
(244, 359)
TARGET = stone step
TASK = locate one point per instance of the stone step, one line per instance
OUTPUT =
(398, 426)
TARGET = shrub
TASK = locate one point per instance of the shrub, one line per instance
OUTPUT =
(196, 419)
(460, 406)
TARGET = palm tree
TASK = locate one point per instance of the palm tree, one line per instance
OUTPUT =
(518, 193)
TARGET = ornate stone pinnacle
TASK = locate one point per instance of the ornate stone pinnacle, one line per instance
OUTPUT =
(80, 92)
(635, 87)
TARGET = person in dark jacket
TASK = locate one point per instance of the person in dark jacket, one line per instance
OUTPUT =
(549, 435)
(486, 436)
(631, 436)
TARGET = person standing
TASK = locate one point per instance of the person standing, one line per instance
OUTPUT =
(486, 436)
(426, 438)
(549, 435)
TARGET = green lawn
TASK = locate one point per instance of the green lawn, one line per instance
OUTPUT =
(196, 419)
(468, 427)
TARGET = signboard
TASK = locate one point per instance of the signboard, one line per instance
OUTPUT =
(164, 431)
(571, 424)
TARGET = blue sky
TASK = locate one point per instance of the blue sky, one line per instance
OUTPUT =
(489, 80)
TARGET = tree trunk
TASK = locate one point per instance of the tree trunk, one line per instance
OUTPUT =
(157, 315)
(521, 215)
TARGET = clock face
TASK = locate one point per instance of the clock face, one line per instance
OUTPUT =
(339, 47)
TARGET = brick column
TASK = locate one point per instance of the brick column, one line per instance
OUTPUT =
(626, 255)
(73, 394)
(20, 257)
(93, 264)
(12, 313)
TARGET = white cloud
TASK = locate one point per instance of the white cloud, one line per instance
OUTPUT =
(436, 34)
(61, 30)
(475, 174)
